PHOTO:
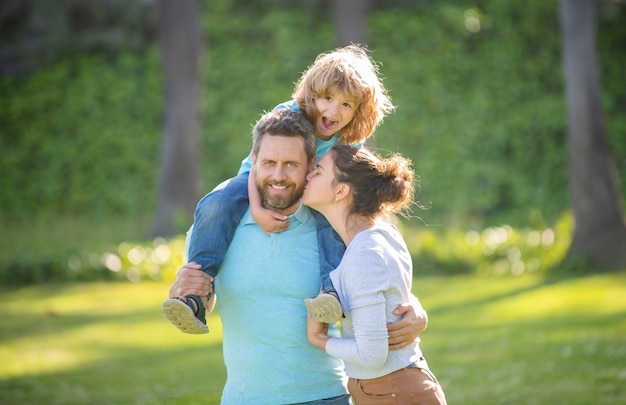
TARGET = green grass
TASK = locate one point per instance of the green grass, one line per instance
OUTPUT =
(491, 340)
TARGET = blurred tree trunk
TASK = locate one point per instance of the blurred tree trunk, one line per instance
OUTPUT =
(600, 232)
(350, 21)
(179, 38)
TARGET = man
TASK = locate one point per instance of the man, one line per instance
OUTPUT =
(264, 279)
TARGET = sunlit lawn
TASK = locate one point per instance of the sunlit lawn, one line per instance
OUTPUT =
(497, 340)
(103, 344)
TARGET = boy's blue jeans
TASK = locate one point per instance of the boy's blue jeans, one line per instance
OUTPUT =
(217, 216)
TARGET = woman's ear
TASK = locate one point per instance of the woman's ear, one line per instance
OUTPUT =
(343, 190)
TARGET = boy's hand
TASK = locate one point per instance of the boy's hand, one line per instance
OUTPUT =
(270, 221)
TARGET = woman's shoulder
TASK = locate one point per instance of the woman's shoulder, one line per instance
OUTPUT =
(369, 243)
(382, 230)
(387, 236)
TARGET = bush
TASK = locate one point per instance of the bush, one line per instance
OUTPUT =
(480, 108)
(81, 137)
(479, 90)
(501, 250)
(496, 250)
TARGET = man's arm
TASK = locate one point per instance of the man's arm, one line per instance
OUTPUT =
(190, 280)
(413, 322)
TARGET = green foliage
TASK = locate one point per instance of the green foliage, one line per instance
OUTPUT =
(478, 86)
(496, 250)
(65, 248)
(436, 250)
(81, 138)
(480, 112)
(612, 57)
(38, 33)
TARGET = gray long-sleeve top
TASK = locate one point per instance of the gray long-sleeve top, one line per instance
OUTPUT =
(373, 278)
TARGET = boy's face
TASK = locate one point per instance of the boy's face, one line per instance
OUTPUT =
(281, 167)
(335, 111)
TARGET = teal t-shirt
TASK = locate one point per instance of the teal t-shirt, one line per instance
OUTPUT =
(260, 291)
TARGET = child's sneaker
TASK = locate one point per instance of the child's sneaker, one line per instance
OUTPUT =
(182, 315)
(324, 308)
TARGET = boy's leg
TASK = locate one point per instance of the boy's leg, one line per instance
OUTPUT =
(216, 218)
(331, 248)
(326, 306)
(188, 315)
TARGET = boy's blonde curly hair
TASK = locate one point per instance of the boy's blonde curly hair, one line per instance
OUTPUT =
(351, 71)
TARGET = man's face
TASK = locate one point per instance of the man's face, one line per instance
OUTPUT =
(281, 168)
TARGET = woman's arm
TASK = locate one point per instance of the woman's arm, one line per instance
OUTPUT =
(369, 347)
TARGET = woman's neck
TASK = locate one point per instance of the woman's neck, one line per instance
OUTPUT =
(348, 226)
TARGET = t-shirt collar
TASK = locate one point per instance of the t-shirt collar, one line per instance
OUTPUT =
(301, 215)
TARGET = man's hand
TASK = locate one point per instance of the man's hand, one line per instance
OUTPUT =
(190, 280)
(404, 331)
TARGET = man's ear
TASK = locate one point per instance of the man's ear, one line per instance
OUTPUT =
(253, 158)
(312, 164)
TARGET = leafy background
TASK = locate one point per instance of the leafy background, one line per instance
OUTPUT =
(478, 87)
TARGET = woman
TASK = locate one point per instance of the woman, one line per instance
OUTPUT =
(355, 190)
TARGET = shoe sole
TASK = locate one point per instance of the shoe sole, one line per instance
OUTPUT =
(324, 308)
(181, 316)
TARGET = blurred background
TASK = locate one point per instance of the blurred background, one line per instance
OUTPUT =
(117, 116)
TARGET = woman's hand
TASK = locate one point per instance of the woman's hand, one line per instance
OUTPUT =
(317, 333)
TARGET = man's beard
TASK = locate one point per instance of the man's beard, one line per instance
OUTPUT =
(282, 201)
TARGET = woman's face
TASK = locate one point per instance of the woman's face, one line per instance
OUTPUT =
(319, 192)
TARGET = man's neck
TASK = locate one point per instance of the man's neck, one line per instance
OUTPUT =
(287, 211)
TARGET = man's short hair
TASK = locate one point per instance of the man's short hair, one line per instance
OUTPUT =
(285, 122)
